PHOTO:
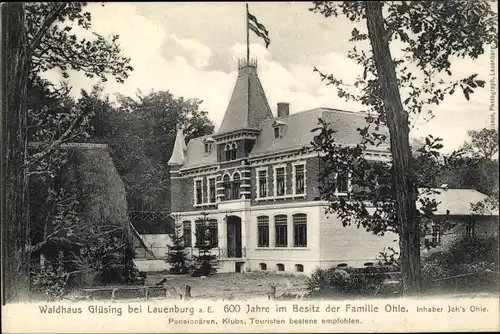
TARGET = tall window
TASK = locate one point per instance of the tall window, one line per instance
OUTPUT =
(208, 147)
(213, 231)
(343, 182)
(199, 191)
(186, 233)
(276, 132)
(262, 183)
(233, 151)
(230, 151)
(436, 234)
(280, 181)
(211, 190)
(469, 229)
(299, 179)
(263, 231)
(236, 186)
(227, 187)
(300, 230)
(280, 226)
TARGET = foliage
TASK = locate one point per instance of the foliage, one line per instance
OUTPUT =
(141, 133)
(476, 258)
(394, 91)
(348, 282)
(205, 261)
(50, 279)
(177, 254)
(53, 27)
(483, 144)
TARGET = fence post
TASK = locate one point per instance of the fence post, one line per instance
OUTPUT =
(272, 294)
(113, 294)
(147, 293)
(187, 295)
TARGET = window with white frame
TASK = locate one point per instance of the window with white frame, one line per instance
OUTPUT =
(342, 179)
(186, 233)
(236, 185)
(279, 181)
(211, 190)
(281, 231)
(299, 171)
(198, 188)
(262, 183)
(226, 184)
(300, 230)
(263, 231)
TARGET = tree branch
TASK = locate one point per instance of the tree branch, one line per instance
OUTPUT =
(49, 20)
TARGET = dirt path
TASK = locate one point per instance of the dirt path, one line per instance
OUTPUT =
(233, 285)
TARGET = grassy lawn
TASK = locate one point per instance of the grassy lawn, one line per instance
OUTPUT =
(232, 285)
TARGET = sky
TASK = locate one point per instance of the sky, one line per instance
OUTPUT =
(192, 50)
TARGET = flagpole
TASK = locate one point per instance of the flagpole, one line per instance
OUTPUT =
(248, 36)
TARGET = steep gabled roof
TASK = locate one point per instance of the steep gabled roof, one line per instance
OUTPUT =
(248, 106)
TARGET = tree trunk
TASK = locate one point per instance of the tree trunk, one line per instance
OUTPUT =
(15, 221)
(403, 180)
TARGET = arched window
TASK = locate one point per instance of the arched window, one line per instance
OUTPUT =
(227, 187)
(300, 230)
(227, 151)
(280, 267)
(236, 185)
(233, 151)
(263, 266)
(299, 268)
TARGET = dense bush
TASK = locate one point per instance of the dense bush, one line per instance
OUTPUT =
(469, 262)
(49, 280)
(339, 282)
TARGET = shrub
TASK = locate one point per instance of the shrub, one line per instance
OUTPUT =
(49, 280)
(347, 281)
(469, 262)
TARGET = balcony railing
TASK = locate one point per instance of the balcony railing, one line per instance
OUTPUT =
(221, 252)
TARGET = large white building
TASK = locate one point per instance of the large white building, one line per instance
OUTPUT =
(261, 193)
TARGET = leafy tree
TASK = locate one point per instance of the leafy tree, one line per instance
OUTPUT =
(39, 37)
(483, 144)
(430, 34)
(177, 253)
(205, 260)
(141, 134)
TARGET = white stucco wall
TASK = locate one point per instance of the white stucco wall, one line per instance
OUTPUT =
(157, 243)
(351, 245)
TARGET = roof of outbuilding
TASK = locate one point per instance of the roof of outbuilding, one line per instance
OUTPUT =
(457, 201)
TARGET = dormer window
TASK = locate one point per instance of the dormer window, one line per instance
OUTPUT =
(279, 128)
(230, 151)
(208, 141)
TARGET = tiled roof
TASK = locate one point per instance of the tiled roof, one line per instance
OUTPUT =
(297, 130)
(195, 154)
(457, 201)
(248, 105)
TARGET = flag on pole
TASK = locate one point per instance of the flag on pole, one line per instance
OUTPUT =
(258, 28)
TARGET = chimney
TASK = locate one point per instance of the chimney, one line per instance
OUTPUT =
(283, 109)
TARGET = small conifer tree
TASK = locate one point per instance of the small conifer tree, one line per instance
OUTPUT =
(205, 261)
(177, 253)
